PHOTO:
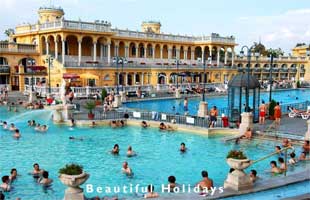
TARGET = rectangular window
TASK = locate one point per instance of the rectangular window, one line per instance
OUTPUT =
(91, 82)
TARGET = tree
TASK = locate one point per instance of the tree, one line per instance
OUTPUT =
(275, 52)
(9, 32)
(259, 47)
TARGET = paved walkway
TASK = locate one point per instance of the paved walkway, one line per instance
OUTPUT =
(292, 126)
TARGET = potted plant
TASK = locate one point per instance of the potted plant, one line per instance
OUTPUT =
(237, 160)
(72, 175)
(298, 84)
(90, 105)
(238, 179)
(272, 104)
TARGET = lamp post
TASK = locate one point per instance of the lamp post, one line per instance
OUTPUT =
(272, 59)
(31, 62)
(204, 76)
(49, 60)
(122, 61)
(177, 62)
(247, 92)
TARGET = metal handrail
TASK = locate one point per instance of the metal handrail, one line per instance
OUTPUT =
(274, 153)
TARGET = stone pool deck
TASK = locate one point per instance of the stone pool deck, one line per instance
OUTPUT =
(259, 186)
(290, 126)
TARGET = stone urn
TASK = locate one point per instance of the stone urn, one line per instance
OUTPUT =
(238, 180)
(74, 192)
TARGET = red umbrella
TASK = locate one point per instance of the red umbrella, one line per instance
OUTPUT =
(70, 76)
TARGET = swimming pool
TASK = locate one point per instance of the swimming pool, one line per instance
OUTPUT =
(166, 105)
(158, 155)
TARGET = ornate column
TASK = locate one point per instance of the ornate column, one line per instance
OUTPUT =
(225, 59)
(210, 54)
(101, 51)
(134, 78)
(79, 51)
(202, 55)
(161, 52)
(169, 53)
(177, 53)
(145, 52)
(115, 50)
(218, 56)
(95, 51)
(232, 57)
(109, 52)
(56, 48)
(185, 55)
(142, 78)
(126, 79)
(63, 50)
(192, 54)
(47, 47)
(137, 51)
(126, 51)
(153, 52)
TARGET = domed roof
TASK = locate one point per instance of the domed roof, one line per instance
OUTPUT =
(241, 80)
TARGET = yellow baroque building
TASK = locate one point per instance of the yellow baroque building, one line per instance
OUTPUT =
(86, 53)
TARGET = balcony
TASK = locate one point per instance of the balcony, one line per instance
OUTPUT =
(106, 28)
(17, 48)
(4, 69)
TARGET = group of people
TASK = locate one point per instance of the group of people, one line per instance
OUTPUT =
(12, 128)
(37, 126)
(41, 177)
(277, 114)
(281, 166)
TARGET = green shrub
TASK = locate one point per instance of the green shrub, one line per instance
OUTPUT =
(104, 94)
(235, 154)
(272, 104)
(90, 105)
(298, 84)
(71, 169)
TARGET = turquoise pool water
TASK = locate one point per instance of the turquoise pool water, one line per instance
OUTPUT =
(158, 155)
(287, 96)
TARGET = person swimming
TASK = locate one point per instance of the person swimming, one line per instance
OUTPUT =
(37, 172)
(74, 138)
(130, 152)
(44, 180)
(115, 149)
(144, 124)
(16, 135)
(12, 127)
(93, 124)
(183, 148)
(5, 125)
(126, 169)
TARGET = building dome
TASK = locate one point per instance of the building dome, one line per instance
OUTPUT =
(50, 14)
(151, 27)
(241, 80)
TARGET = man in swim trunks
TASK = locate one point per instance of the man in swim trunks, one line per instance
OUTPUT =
(205, 183)
(126, 169)
(213, 116)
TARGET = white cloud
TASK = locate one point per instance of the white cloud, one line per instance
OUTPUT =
(283, 30)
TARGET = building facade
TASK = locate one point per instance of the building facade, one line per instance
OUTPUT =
(95, 54)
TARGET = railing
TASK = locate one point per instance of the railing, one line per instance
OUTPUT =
(299, 106)
(16, 47)
(150, 116)
(86, 92)
(106, 27)
(4, 69)
(275, 153)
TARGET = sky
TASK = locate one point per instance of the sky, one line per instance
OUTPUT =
(276, 23)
